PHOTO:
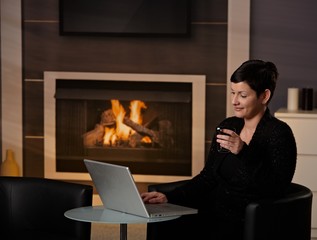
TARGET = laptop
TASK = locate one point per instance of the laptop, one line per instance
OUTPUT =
(117, 190)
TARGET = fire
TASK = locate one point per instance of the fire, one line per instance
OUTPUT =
(135, 115)
(146, 139)
(109, 137)
(122, 131)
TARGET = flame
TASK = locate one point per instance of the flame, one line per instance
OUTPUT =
(146, 139)
(135, 108)
(122, 131)
(109, 137)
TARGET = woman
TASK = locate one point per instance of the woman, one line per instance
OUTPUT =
(259, 162)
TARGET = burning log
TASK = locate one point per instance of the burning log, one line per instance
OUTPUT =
(111, 132)
(141, 129)
(107, 118)
(94, 137)
(135, 140)
(163, 137)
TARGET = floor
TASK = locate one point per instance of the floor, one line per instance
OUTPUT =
(101, 231)
(112, 232)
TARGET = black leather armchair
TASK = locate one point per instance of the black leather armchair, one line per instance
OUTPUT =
(288, 217)
(33, 208)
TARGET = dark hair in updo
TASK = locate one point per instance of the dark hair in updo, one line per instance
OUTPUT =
(258, 74)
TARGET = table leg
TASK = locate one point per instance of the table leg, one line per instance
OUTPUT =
(123, 231)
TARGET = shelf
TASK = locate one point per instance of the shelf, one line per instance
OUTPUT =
(284, 113)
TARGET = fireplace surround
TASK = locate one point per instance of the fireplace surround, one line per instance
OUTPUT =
(81, 107)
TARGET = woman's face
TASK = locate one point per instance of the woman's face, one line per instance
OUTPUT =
(245, 102)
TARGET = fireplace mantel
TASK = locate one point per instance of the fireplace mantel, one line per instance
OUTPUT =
(198, 83)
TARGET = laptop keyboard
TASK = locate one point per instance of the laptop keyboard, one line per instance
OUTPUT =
(161, 207)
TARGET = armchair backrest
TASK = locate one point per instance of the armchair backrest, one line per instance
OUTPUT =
(288, 217)
(35, 207)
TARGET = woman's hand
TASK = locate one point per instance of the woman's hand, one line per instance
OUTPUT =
(153, 197)
(230, 140)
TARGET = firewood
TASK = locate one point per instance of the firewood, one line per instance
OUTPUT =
(141, 129)
(94, 137)
(107, 118)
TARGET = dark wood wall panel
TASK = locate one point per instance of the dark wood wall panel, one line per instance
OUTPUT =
(209, 11)
(202, 10)
(33, 157)
(33, 105)
(40, 10)
(215, 111)
(204, 52)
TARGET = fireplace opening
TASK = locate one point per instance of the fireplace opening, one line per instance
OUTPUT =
(146, 126)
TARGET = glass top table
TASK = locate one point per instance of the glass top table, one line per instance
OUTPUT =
(99, 214)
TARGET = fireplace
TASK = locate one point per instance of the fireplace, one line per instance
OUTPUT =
(153, 123)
